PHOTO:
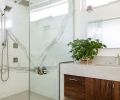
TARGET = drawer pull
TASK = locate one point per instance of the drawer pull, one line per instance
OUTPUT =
(113, 86)
(71, 79)
(107, 85)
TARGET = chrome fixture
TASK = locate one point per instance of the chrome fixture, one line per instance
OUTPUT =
(40, 70)
(118, 59)
(4, 43)
(22, 2)
(89, 8)
(44, 70)
(7, 8)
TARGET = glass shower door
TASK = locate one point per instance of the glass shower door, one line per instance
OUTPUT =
(14, 50)
(51, 29)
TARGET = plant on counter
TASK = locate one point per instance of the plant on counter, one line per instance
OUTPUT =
(84, 49)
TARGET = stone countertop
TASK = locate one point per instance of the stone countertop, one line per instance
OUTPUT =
(93, 71)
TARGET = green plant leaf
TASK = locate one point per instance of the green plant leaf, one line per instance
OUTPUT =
(85, 48)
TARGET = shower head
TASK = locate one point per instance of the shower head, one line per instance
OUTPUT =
(7, 8)
(22, 2)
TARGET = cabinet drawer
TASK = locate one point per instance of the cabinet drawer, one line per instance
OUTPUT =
(74, 87)
(74, 80)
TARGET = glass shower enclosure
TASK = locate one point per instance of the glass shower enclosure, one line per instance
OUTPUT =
(33, 41)
(51, 29)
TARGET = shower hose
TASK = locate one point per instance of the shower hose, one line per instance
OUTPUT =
(4, 50)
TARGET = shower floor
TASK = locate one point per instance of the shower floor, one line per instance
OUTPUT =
(24, 96)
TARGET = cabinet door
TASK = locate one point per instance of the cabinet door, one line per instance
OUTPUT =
(97, 89)
(74, 87)
(103, 89)
(116, 91)
(90, 89)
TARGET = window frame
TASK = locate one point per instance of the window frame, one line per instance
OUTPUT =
(49, 6)
(102, 21)
(84, 6)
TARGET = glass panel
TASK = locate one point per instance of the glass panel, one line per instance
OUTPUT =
(106, 31)
(14, 50)
(49, 37)
(55, 9)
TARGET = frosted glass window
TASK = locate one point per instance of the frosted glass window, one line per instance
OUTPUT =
(96, 3)
(56, 9)
(107, 31)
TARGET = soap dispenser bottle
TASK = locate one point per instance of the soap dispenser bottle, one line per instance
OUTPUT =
(44, 70)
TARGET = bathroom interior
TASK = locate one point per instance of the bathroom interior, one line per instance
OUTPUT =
(34, 37)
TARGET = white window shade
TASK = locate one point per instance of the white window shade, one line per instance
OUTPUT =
(107, 31)
(96, 3)
(49, 11)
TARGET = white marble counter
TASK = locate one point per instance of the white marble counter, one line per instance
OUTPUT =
(93, 71)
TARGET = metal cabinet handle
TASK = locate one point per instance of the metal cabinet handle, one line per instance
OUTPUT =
(113, 85)
(107, 85)
(72, 79)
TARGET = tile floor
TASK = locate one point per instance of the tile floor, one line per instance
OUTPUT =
(34, 96)
(24, 96)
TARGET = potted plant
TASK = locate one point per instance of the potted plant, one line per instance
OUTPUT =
(85, 49)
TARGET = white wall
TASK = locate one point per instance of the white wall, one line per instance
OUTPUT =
(20, 28)
(104, 12)
(44, 32)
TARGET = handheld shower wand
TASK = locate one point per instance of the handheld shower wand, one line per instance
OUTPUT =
(4, 44)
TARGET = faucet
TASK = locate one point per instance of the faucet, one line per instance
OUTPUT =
(40, 70)
(118, 59)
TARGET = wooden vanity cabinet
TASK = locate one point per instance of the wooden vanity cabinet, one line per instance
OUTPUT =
(82, 88)
(97, 89)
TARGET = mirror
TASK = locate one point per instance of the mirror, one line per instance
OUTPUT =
(107, 31)
(101, 21)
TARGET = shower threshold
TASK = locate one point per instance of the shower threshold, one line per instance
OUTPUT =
(25, 96)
